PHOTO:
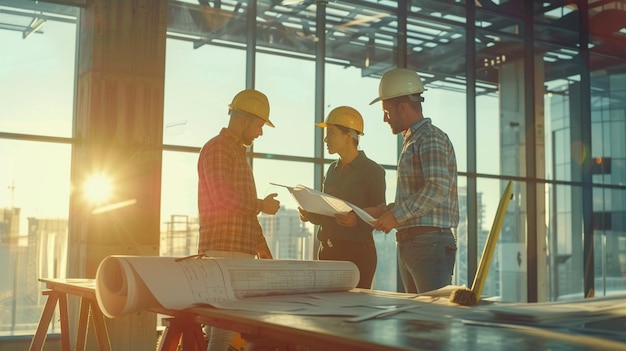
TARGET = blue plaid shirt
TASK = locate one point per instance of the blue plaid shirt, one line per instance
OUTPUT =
(426, 193)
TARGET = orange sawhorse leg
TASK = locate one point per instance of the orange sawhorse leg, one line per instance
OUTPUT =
(88, 307)
(182, 327)
(39, 338)
(102, 334)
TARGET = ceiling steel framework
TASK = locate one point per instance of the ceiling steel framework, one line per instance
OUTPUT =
(363, 33)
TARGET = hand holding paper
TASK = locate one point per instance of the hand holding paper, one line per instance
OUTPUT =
(346, 219)
(321, 203)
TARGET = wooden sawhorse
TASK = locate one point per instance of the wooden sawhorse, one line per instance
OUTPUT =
(57, 292)
(182, 329)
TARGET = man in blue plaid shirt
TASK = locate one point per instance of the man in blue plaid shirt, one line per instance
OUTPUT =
(426, 207)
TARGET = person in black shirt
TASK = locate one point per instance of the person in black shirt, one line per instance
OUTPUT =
(353, 178)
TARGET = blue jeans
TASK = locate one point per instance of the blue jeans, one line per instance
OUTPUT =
(426, 261)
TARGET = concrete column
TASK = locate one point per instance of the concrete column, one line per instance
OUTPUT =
(118, 130)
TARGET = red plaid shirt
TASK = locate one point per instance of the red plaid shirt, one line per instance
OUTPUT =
(227, 198)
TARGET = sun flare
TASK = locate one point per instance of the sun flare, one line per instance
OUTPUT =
(98, 188)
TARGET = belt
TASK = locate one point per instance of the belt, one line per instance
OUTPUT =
(328, 243)
(408, 233)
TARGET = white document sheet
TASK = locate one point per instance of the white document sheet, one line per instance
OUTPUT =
(318, 202)
(127, 284)
(562, 312)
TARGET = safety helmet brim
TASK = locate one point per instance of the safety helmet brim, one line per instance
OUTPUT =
(399, 82)
(344, 116)
(324, 125)
(380, 98)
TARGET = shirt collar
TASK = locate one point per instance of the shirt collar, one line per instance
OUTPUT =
(358, 161)
(419, 123)
(232, 137)
(415, 127)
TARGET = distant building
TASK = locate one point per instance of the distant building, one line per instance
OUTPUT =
(287, 236)
(25, 259)
(179, 237)
(9, 225)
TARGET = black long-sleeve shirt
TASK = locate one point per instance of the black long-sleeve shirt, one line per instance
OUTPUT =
(360, 182)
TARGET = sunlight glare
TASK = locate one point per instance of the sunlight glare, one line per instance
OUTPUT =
(98, 188)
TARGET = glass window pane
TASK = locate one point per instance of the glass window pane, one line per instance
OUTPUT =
(608, 127)
(565, 243)
(608, 147)
(386, 276)
(447, 111)
(36, 97)
(289, 85)
(286, 235)
(460, 267)
(197, 94)
(179, 204)
(507, 270)
(378, 142)
(436, 51)
(500, 113)
(37, 80)
(33, 228)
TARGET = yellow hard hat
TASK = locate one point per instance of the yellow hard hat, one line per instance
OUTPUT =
(344, 116)
(399, 82)
(253, 102)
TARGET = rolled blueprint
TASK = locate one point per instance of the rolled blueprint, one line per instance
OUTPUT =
(127, 284)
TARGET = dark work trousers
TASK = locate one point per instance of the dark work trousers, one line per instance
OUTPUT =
(363, 254)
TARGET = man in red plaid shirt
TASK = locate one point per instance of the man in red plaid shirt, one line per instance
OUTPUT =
(227, 197)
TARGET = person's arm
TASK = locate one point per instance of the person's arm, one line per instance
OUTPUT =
(263, 251)
(349, 219)
(376, 211)
(386, 222)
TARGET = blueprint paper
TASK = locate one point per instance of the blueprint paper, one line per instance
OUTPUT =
(318, 202)
(127, 284)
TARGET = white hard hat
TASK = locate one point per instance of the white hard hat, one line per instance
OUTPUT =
(399, 82)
